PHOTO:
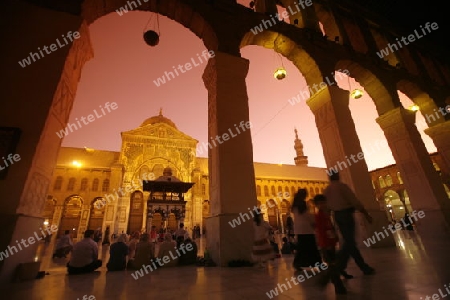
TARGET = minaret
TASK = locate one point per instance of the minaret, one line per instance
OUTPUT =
(301, 159)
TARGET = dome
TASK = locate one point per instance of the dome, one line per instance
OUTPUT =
(167, 172)
(159, 119)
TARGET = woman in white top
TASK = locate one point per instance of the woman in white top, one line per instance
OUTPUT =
(262, 250)
(307, 254)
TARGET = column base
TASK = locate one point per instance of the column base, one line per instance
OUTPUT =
(18, 227)
(379, 225)
(433, 228)
(226, 243)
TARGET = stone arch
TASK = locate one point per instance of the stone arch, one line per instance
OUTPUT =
(258, 190)
(71, 214)
(192, 18)
(290, 50)
(422, 99)
(388, 180)
(383, 98)
(395, 207)
(272, 213)
(97, 213)
(135, 218)
(49, 208)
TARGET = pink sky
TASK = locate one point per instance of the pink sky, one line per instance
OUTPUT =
(124, 67)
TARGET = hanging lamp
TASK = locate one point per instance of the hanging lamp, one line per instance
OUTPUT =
(151, 37)
(355, 93)
(280, 73)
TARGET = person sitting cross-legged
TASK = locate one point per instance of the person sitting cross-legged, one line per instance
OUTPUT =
(189, 252)
(84, 257)
(168, 248)
(64, 245)
(118, 254)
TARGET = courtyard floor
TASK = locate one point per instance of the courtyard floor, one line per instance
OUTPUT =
(408, 271)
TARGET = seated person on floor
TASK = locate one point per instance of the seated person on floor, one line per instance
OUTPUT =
(145, 252)
(286, 248)
(64, 245)
(166, 248)
(84, 257)
(191, 249)
(118, 254)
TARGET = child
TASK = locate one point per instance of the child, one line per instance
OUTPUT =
(286, 248)
(326, 240)
(262, 250)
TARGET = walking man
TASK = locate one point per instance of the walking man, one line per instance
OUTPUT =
(343, 202)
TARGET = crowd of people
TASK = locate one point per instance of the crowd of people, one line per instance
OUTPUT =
(126, 252)
(311, 238)
(316, 236)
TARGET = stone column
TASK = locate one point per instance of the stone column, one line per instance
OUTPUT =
(145, 219)
(341, 147)
(440, 134)
(84, 221)
(56, 220)
(51, 83)
(231, 173)
(425, 189)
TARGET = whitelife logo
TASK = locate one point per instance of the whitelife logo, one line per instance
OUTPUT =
(53, 47)
(284, 15)
(224, 136)
(89, 119)
(411, 38)
(30, 240)
(162, 80)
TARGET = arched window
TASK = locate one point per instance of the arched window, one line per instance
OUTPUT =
(266, 191)
(272, 189)
(286, 192)
(381, 182)
(84, 184)
(317, 190)
(258, 191)
(203, 189)
(399, 177)
(105, 185)
(95, 185)
(436, 167)
(311, 192)
(293, 191)
(280, 190)
(71, 184)
(58, 183)
(388, 180)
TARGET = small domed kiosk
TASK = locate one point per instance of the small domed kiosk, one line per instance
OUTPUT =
(166, 198)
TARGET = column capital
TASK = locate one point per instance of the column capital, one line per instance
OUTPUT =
(440, 131)
(330, 94)
(226, 64)
(397, 117)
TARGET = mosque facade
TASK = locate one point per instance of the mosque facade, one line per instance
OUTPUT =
(97, 188)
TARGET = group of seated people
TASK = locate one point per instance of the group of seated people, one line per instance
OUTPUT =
(142, 251)
(139, 251)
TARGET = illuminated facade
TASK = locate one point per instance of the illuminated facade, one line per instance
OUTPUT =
(391, 192)
(96, 188)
